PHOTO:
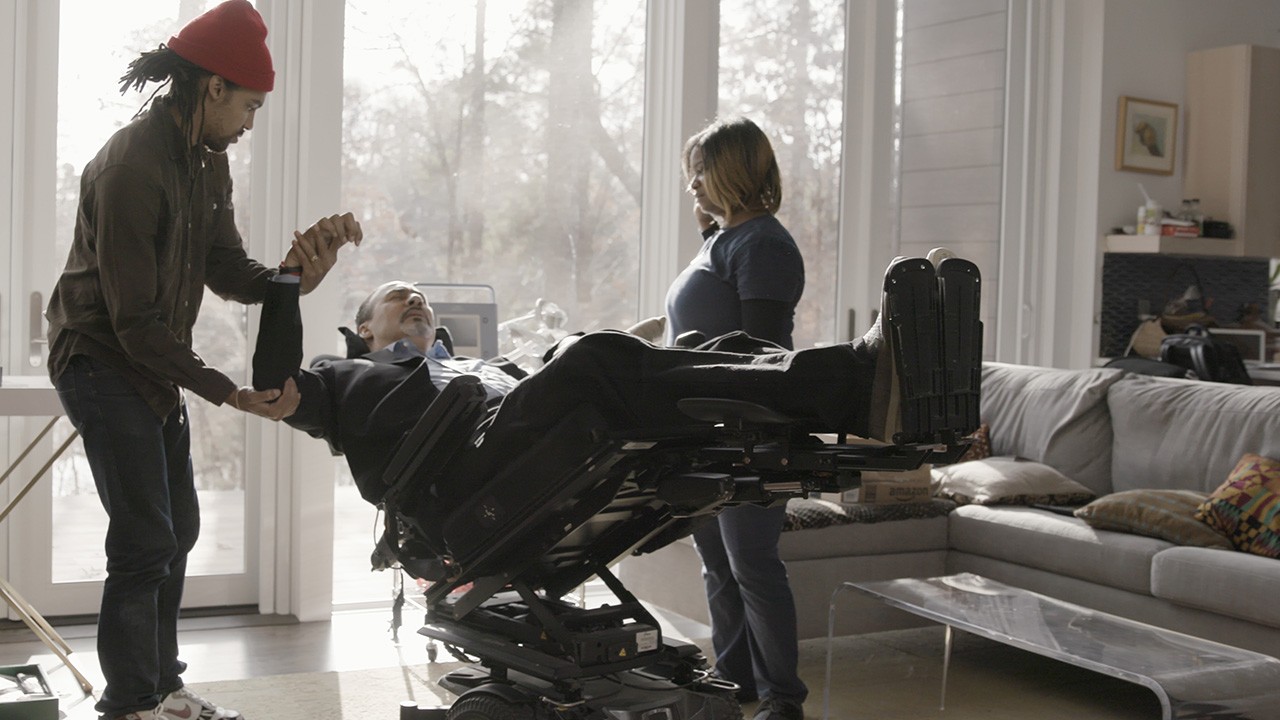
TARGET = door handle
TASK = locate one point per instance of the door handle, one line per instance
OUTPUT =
(35, 326)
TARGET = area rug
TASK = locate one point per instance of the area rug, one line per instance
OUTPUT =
(346, 695)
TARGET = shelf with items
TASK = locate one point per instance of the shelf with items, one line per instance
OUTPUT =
(1174, 245)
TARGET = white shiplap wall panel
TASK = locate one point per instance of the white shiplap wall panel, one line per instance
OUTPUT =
(953, 89)
(965, 186)
(971, 111)
(924, 13)
(943, 225)
(971, 73)
(965, 148)
(957, 39)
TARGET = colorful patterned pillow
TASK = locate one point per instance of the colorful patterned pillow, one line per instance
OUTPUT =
(980, 449)
(1165, 514)
(979, 446)
(1246, 508)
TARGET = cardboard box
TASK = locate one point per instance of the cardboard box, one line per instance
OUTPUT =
(25, 694)
(885, 488)
(893, 488)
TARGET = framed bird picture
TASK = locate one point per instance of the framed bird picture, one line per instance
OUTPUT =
(1146, 136)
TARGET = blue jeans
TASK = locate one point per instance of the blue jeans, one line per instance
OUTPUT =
(141, 464)
(753, 613)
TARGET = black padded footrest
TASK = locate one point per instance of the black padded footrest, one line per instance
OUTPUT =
(911, 317)
(959, 287)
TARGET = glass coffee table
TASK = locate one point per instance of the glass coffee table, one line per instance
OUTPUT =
(1192, 677)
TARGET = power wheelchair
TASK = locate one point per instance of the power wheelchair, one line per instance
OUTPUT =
(501, 561)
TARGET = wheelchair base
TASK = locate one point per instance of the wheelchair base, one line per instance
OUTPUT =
(605, 663)
(631, 695)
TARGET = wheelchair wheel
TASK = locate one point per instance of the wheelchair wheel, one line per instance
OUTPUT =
(488, 707)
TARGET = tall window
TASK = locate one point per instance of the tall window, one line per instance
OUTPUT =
(96, 44)
(781, 65)
(496, 142)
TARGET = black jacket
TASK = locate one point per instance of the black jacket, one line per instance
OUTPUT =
(362, 406)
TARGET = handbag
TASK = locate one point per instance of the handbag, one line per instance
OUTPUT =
(1145, 341)
(1210, 359)
(1147, 366)
(1191, 307)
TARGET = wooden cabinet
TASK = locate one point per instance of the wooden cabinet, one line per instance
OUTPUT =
(1233, 143)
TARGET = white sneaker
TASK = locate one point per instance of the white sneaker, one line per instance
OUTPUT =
(182, 704)
(938, 254)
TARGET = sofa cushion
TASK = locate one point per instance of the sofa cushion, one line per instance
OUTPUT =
(862, 539)
(1055, 543)
(1230, 583)
(1187, 434)
(1165, 514)
(1246, 508)
(1007, 481)
(1057, 417)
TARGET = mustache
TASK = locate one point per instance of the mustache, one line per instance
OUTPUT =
(412, 311)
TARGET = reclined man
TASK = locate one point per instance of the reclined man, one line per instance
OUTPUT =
(363, 405)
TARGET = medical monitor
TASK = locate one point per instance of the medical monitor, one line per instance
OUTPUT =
(1251, 343)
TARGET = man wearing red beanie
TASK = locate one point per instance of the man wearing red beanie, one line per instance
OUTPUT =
(155, 227)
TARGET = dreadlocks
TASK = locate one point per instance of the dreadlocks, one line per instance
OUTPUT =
(166, 67)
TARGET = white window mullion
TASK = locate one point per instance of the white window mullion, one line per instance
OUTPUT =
(681, 66)
(297, 163)
(867, 241)
(31, 69)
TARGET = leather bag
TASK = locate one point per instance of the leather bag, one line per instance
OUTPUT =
(1210, 359)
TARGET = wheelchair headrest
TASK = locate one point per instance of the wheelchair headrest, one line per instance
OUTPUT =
(357, 347)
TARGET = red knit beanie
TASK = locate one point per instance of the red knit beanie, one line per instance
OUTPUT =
(229, 40)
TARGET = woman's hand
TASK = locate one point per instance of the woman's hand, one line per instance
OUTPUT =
(704, 219)
(316, 250)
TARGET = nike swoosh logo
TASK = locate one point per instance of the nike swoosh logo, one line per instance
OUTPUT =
(183, 714)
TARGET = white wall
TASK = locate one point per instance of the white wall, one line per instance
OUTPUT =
(1145, 50)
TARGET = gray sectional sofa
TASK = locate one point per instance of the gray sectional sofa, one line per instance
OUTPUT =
(1107, 429)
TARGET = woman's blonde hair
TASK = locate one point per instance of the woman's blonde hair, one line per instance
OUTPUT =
(739, 170)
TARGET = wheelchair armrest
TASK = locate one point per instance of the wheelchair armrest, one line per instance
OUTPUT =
(731, 412)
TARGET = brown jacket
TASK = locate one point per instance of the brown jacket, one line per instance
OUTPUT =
(149, 236)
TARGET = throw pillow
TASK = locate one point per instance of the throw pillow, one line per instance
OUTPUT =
(1165, 514)
(1246, 508)
(1008, 481)
(806, 513)
(979, 445)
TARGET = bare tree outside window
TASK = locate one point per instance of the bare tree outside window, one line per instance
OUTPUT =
(498, 142)
(491, 142)
(782, 66)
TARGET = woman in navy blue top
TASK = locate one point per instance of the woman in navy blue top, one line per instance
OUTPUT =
(747, 276)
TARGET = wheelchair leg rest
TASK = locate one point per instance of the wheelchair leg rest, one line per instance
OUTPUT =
(959, 288)
(911, 325)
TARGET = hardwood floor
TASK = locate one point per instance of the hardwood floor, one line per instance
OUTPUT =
(885, 676)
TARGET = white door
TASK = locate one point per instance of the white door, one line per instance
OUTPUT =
(70, 56)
